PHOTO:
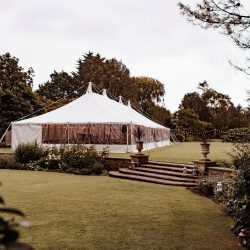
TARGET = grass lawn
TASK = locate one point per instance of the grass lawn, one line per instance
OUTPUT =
(187, 152)
(5, 150)
(99, 212)
(183, 152)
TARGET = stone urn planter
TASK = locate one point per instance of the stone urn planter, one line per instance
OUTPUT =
(205, 150)
(139, 146)
(139, 132)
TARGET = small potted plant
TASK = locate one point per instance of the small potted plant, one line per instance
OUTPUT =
(139, 133)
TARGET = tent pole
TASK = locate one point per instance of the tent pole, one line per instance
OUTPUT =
(127, 138)
(131, 138)
(5, 132)
(68, 132)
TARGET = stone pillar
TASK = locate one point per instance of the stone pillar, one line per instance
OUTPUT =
(138, 159)
(202, 166)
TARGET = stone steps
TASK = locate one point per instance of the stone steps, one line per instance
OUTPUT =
(159, 172)
(165, 172)
(171, 164)
(166, 168)
(155, 175)
(150, 179)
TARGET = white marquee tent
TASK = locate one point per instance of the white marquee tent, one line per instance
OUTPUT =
(92, 119)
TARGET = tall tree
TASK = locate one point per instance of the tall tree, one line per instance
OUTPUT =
(16, 96)
(186, 119)
(148, 92)
(110, 74)
(60, 86)
(195, 102)
(215, 107)
(161, 114)
(105, 73)
(228, 16)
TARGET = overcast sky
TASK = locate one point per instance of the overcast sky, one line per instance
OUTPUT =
(150, 37)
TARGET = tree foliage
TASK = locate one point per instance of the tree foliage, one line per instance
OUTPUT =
(186, 119)
(215, 108)
(147, 91)
(161, 114)
(229, 16)
(60, 86)
(109, 74)
(195, 102)
(16, 96)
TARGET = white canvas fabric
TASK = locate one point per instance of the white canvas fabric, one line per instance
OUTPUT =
(26, 133)
(91, 108)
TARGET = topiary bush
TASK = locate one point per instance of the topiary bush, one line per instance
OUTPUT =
(28, 152)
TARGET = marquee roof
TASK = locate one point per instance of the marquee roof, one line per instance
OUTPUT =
(92, 108)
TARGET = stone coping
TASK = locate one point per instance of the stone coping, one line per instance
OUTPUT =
(222, 169)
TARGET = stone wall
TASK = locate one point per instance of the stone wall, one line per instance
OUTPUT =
(210, 169)
(218, 171)
(114, 163)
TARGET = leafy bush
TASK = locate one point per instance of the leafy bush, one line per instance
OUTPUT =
(77, 159)
(84, 160)
(52, 159)
(207, 187)
(241, 186)
(6, 161)
(227, 188)
(79, 156)
(224, 138)
(180, 137)
(239, 135)
(28, 152)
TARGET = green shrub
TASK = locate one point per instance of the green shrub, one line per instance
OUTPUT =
(51, 160)
(239, 135)
(227, 188)
(97, 168)
(83, 160)
(77, 159)
(6, 161)
(224, 138)
(28, 152)
(180, 137)
(207, 187)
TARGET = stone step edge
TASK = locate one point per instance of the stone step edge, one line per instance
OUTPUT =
(158, 176)
(148, 179)
(165, 168)
(162, 163)
(165, 172)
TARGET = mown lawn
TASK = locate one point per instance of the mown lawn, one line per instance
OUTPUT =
(183, 152)
(186, 152)
(100, 212)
